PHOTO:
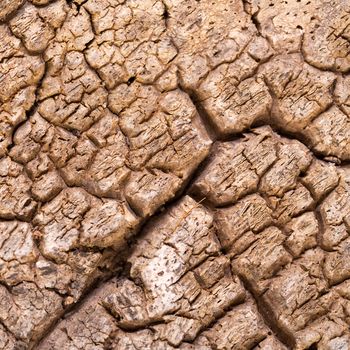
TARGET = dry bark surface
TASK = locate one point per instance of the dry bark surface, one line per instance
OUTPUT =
(174, 174)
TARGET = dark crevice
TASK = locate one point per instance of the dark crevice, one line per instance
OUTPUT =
(114, 272)
(215, 135)
(70, 2)
(203, 114)
(184, 190)
(166, 15)
(130, 80)
(30, 112)
(253, 16)
(13, 13)
(256, 22)
(268, 316)
(295, 136)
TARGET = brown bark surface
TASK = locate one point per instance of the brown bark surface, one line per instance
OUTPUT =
(174, 174)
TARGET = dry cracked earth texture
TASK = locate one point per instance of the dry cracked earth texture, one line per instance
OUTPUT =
(174, 174)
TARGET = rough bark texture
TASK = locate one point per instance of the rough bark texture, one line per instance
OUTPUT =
(174, 174)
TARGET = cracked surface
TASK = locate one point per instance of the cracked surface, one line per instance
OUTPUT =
(174, 174)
